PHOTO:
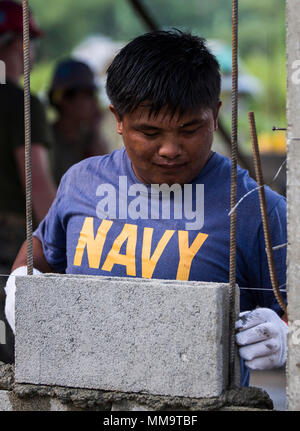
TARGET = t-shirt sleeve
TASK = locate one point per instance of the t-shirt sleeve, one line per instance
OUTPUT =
(40, 129)
(52, 233)
(262, 294)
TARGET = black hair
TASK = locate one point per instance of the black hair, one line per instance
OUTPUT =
(168, 69)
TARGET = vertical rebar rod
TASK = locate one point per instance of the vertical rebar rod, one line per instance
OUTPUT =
(264, 212)
(142, 11)
(233, 195)
(27, 125)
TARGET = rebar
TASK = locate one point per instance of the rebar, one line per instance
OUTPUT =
(264, 213)
(27, 125)
(233, 195)
(144, 14)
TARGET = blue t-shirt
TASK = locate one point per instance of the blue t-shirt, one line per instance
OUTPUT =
(182, 234)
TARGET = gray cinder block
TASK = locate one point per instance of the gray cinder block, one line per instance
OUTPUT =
(293, 184)
(10, 402)
(132, 335)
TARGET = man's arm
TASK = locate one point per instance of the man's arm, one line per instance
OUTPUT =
(39, 260)
(43, 188)
(40, 264)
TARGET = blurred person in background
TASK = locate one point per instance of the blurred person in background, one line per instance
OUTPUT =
(77, 130)
(12, 160)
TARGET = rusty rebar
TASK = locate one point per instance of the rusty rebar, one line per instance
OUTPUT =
(27, 125)
(142, 11)
(264, 212)
(233, 195)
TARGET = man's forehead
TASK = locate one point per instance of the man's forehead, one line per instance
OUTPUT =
(167, 117)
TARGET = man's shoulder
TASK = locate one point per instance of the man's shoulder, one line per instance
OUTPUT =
(247, 187)
(99, 166)
(14, 90)
(13, 94)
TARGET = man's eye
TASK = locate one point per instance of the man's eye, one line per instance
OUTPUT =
(150, 134)
(190, 132)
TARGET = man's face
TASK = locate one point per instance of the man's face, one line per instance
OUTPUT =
(83, 107)
(167, 150)
(15, 54)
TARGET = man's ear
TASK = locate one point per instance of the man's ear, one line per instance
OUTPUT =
(118, 119)
(216, 116)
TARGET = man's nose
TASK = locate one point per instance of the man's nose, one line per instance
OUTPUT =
(170, 148)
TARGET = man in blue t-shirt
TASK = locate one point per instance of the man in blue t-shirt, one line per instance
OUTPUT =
(159, 207)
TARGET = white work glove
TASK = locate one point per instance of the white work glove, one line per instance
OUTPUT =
(10, 290)
(262, 337)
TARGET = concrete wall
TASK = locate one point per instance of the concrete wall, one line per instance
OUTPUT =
(131, 335)
(293, 195)
(20, 397)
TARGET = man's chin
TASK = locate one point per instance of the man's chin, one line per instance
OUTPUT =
(169, 177)
(172, 179)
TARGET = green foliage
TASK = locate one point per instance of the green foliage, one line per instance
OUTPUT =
(41, 76)
(261, 37)
(66, 22)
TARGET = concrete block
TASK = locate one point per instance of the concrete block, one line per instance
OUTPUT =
(293, 184)
(10, 402)
(5, 403)
(127, 406)
(121, 334)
